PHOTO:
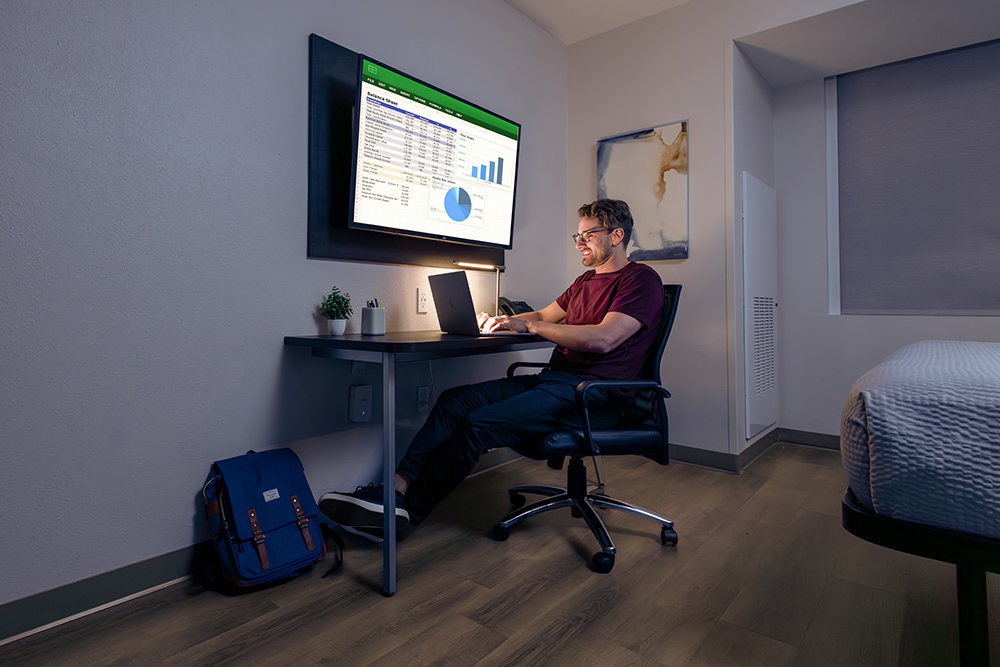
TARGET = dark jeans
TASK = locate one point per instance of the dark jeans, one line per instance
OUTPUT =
(470, 420)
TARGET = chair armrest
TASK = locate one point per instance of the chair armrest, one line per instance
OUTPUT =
(587, 387)
(525, 364)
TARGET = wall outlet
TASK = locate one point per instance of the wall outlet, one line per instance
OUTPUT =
(423, 399)
(421, 300)
(360, 409)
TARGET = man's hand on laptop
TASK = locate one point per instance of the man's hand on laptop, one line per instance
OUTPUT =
(489, 324)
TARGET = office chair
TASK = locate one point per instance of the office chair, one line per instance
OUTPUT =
(642, 431)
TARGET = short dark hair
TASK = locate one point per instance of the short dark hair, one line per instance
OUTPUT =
(611, 213)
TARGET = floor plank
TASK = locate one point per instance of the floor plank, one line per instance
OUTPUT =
(763, 574)
(848, 625)
(731, 645)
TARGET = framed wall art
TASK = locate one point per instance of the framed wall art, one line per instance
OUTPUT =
(649, 170)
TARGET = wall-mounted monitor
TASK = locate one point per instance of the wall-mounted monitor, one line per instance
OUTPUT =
(429, 164)
(333, 92)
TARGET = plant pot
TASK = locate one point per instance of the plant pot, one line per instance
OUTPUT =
(336, 327)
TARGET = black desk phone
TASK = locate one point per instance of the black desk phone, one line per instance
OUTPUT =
(511, 308)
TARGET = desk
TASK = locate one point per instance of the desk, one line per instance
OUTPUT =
(388, 350)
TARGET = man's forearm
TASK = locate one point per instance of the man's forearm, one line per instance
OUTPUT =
(581, 337)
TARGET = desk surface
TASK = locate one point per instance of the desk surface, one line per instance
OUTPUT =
(413, 345)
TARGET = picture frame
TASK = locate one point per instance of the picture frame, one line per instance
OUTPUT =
(648, 169)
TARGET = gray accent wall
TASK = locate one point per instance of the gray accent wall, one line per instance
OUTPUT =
(153, 191)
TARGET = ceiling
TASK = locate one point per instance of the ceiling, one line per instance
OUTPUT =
(572, 20)
(867, 34)
(856, 36)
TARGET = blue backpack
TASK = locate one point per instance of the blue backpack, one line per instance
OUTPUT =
(263, 518)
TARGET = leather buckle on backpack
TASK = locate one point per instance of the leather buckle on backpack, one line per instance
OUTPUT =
(258, 539)
(303, 522)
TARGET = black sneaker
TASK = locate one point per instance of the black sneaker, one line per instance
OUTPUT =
(362, 510)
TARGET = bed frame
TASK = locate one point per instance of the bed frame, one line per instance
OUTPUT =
(972, 555)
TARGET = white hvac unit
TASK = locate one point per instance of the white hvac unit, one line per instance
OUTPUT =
(760, 285)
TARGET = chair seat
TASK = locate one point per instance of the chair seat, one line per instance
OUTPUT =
(638, 442)
(640, 431)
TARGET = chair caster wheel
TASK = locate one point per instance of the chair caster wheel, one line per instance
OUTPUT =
(500, 534)
(603, 562)
(668, 536)
(516, 500)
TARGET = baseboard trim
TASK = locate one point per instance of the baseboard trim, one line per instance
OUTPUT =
(809, 439)
(737, 463)
(32, 614)
(35, 613)
(722, 461)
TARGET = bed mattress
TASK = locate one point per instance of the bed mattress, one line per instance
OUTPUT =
(920, 436)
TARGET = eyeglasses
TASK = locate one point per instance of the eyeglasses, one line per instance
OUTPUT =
(585, 236)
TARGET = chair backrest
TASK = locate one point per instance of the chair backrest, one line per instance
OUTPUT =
(651, 369)
(648, 408)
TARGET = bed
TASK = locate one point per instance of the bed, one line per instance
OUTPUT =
(920, 442)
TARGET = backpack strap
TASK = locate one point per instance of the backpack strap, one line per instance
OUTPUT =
(258, 539)
(303, 522)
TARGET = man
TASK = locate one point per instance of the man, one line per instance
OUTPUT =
(602, 325)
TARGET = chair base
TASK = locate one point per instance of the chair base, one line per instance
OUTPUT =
(583, 504)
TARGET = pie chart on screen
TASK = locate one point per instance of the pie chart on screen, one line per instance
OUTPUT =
(457, 204)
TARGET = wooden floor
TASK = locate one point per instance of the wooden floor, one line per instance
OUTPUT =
(763, 575)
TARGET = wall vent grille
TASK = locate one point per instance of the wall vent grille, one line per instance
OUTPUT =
(763, 344)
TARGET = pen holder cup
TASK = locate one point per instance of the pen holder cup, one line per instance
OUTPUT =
(373, 321)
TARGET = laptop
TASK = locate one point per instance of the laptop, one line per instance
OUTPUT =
(455, 310)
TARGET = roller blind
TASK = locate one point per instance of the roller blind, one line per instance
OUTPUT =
(919, 185)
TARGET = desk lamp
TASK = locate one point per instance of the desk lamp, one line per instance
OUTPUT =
(485, 267)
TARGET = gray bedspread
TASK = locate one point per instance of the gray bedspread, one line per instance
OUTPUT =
(920, 436)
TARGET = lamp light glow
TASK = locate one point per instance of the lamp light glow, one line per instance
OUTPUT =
(485, 267)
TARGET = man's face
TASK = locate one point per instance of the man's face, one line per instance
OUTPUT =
(597, 250)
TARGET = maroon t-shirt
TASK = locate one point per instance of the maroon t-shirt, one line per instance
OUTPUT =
(635, 290)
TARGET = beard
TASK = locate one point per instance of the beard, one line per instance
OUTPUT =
(598, 255)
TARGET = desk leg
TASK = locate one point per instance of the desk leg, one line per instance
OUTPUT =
(389, 472)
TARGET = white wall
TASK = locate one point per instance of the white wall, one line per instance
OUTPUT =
(670, 67)
(682, 64)
(821, 355)
(152, 252)
(752, 140)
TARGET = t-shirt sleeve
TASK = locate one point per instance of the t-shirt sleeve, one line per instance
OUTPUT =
(639, 296)
(563, 299)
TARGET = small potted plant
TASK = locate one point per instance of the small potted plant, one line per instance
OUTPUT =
(336, 308)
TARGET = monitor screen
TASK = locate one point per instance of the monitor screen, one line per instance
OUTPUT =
(429, 164)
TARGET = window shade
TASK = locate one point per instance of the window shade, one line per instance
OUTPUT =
(919, 183)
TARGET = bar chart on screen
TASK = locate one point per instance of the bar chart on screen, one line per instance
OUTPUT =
(495, 174)
(483, 161)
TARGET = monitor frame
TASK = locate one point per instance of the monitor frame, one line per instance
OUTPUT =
(434, 182)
